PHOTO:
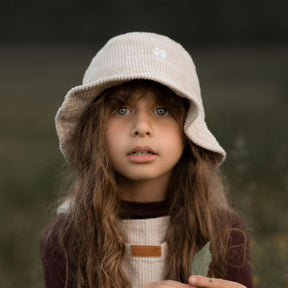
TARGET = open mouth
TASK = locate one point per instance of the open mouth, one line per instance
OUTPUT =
(142, 153)
(141, 150)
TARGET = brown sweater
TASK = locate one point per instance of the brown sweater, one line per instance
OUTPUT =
(135, 218)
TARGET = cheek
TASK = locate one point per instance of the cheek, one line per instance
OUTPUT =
(112, 130)
(114, 137)
(110, 138)
(174, 137)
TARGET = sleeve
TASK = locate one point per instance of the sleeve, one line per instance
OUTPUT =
(53, 259)
(238, 257)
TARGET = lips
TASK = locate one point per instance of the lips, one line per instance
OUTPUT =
(142, 155)
(141, 150)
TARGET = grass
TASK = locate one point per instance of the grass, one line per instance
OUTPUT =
(245, 95)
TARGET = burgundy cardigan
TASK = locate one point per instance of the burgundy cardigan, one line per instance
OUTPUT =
(54, 262)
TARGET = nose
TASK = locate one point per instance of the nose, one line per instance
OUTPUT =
(142, 125)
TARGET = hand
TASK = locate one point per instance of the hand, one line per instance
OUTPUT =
(167, 284)
(205, 282)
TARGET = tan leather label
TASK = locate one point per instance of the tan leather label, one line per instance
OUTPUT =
(145, 251)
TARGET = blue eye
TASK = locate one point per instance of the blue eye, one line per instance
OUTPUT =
(161, 111)
(123, 111)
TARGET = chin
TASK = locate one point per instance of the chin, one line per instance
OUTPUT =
(140, 177)
(146, 176)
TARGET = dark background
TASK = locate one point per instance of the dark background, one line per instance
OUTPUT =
(240, 50)
(207, 21)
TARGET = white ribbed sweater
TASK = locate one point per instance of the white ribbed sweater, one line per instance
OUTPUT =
(143, 270)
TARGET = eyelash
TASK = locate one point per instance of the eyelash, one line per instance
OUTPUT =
(126, 111)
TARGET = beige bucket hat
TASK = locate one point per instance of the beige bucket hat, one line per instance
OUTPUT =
(139, 55)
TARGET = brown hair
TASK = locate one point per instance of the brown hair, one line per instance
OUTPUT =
(90, 236)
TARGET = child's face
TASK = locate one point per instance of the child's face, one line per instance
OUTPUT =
(144, 141)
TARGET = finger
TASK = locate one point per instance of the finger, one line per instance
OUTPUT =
(200, 281)
(173, 284)
(167, 284)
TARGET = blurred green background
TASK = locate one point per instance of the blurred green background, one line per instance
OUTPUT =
(240, 49)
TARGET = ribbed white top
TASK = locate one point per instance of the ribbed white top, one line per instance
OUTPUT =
(143, 270)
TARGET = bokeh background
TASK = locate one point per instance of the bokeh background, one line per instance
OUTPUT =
(240, 49)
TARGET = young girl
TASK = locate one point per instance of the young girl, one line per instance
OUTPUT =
(147, 193)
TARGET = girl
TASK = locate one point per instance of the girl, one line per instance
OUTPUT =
(147, 193)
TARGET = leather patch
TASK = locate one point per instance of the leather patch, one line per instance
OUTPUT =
(145, 251)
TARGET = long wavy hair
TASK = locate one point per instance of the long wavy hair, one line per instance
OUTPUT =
(90, 236)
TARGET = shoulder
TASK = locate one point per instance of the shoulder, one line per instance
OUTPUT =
(50, 236)
(237, 221)
(238, 243)
(238, 231)
(49, 242)
(52, 253)
(238, 253)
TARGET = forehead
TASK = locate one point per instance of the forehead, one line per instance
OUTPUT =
(138, 89)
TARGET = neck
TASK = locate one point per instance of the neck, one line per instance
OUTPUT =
(145, 191)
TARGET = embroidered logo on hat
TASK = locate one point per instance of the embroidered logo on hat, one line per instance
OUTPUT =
(160, 52)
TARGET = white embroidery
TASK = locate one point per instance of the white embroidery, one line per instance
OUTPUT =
(160, 52)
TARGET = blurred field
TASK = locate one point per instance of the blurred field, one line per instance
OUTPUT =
(245, 92)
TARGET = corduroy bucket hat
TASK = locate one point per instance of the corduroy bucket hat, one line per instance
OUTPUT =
(139, 55)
